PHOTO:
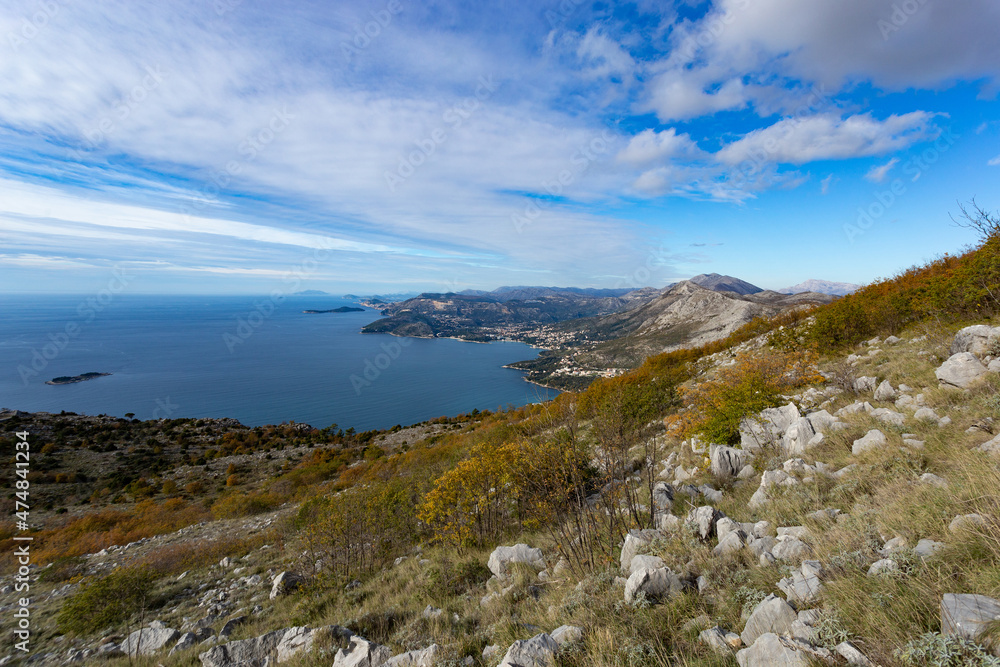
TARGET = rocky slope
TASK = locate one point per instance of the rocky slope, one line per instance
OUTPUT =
(684, 316)
(855, 524)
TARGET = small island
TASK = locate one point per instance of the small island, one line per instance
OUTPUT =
(342, 309)
(73, 379)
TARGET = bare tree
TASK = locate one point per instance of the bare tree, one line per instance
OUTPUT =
(975, 217)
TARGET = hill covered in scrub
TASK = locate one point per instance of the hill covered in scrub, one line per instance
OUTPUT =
(817, 487)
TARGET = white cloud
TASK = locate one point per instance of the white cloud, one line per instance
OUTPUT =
(680, 94)
(878, 173)
(23, 200)
(834, 41)
(651, 146)
(995, 162)
(603, 57)
(826, 183)
(828, 137)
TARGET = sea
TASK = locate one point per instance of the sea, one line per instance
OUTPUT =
(259, 360)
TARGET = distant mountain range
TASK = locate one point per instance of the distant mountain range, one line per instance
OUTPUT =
(311, 292)
(822, 287)
(508, 293)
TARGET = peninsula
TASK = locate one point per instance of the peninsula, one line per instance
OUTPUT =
(342, 309)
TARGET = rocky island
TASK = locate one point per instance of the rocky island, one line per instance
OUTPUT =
(73, 379)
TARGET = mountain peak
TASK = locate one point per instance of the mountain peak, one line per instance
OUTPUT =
(821, 287)
(721, 283)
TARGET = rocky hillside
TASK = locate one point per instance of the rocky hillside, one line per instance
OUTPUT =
(685, 316)
(856, 524)
(799, 493)
(503, 314)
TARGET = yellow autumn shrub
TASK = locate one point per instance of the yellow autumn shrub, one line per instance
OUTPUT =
(754, 382)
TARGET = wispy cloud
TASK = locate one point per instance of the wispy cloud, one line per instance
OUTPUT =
(878, 173)
(210, 141)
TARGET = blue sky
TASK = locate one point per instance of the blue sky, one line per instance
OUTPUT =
(245, 146)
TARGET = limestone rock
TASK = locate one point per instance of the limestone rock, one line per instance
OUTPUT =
(147, 641)
(186, 641)
(702, 520)
(657, 584)
(503, 557)
(731, 543)
(724, 526)
(885, 392)
(254, 652)
(727, 462)
(761, 545)
(539, 651)
(968, 615)
(286, 582)
(926, 414)
(634, 541)
(362, 653)
(663, 496)
(865, 383)
(883, 566)
(874, 439)
(822, 420)
(975, 340)
(645, 562)
(960, 370)
(300, 639)
(990, 447)
(852, 655)
(791, 550)
(934, 480)
(927, 548)
(231, 625)
(804, 585)
(966, 522)
(772, 651)
(566, 634)
(772, 614)
(720, 641)
(419, 658)
(767, 427)
(888, 416)
(798, 436)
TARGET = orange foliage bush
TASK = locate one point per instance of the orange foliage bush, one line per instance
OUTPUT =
(93, 532)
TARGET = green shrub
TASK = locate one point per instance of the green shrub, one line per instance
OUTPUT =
(937, 650)
(107, 602)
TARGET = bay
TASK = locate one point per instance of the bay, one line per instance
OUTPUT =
(248, 358)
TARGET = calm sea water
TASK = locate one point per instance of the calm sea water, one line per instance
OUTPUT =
(244, 358)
